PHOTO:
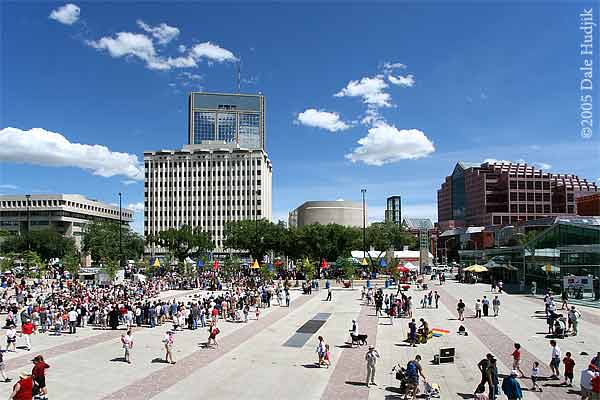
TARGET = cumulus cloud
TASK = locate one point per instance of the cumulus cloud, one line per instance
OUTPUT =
(42, 147)
(128, 182)
(67, 14)
(163, 33)
(128, 44)
(388, 67)
(136, 207)
(385, 144)
(404, 81)
(211, 52)
(542, 165)
(370, 89)
(322, 119)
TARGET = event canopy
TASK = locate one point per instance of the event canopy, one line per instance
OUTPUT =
(411, 266)
(402, 268)
(476, 268)
(495, 265)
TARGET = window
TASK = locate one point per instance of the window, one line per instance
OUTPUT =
(513, 196)
(513, 184)
(204, 126)
(250, 130)
(226, 127)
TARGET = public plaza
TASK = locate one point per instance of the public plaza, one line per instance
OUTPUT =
(275, 356)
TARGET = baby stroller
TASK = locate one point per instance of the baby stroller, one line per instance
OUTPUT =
(560, 327)
(432, 390)
(401, 376)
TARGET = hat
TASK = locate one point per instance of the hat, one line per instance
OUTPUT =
(24, 374)
(371, 347)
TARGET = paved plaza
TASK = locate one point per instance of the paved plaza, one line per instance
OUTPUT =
(274, 356)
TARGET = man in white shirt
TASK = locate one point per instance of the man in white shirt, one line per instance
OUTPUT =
(586, 383)
(73, 321)
(555, 361)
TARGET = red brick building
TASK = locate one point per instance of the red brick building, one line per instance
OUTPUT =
(505, 193)
(589, 205)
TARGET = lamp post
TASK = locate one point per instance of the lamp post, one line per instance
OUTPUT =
(28, 197)
(363, 191)
(120, 233)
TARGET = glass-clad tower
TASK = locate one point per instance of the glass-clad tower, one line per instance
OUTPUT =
(236, 120)
(393, 210)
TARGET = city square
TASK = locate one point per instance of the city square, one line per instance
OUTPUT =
(336, 200)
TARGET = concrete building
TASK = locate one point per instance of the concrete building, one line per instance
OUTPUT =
(347, 213)
(68, 214)
(506, 193)
(393, 210)
(223, 174)
(588, 205)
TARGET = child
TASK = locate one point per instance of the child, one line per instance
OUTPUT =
(327, 357)
(569, 366)
(257, 313)
(535, 373)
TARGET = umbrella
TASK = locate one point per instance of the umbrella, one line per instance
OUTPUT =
(255, 265)
(411, 266)
(550, 269)
(200, 264)
(382, 263)
(476, 268)
(324, 264)
(402, 268)
(216, 265)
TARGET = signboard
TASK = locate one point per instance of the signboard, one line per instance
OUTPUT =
(572, 282)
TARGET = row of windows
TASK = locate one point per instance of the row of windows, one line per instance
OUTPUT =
(528, 196)
(246, 162)
(184, 174)
(223, 126)
(190, 193)
(530, 208)
(537, 185)
(204, 203)
(57, 203)
(207, 183)
(218, 213)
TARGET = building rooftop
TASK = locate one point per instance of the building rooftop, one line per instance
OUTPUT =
(417, 223)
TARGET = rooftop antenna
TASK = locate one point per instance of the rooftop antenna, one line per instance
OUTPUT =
(239, 75)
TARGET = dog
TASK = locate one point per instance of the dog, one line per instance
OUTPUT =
(359, 340)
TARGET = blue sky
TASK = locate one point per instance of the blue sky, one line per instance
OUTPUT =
(495, 81)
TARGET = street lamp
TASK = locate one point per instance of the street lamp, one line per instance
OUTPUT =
(363, 191)
(28, 197)
(120, 233)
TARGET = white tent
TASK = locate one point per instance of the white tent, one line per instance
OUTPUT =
(411, 266)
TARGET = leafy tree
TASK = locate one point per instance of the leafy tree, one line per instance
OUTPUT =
(257, 237)
(184, 242)
(265, 272)
(347, 267)
(7, 262)
(101, 241)
(33, 264)
(47, 243)
(111, 267)
(71, 263)
(384, 236)
(328, 241)
(308, 269)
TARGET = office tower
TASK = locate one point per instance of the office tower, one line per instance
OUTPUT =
(393, 210)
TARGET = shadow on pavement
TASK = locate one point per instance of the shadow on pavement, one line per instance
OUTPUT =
(355, 383)
(466, 395)
(311, 366)
(159, 360)
(118, 359)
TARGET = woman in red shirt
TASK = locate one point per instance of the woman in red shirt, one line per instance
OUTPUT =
(27, 329)
(39, 374)
(23, 390)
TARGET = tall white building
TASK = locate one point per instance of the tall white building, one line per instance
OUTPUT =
(223, 174)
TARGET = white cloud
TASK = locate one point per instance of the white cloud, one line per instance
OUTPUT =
(9, 187)
(405, 81)
(371, 89)
(496, 161)
(388, 67)
(67, 14)
(212, 52)
(128, 182)
(136, 207)
(322, 119)
(42, 147)
(386, 144)
(542, 165)
(181, 48)
(163, 33)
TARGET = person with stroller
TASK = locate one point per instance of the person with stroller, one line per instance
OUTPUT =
(413, 370)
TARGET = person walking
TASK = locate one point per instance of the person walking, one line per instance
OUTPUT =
(127, 344)
(461, 310)
(516, 355)
(5, 378)
(569, 364)
(492, 376)
(437, 298)
(483, 367)
(574, 317)
(496, 306)
(478, 309)
(213, 332)
(564, 297)
(371, 359)
(27, 329)
(23, 389)
(486, 306)
(535, 374)
(412, 333)
(39, 375)
(511, 387)
(73, 321)
(555, 360)
(587, 375)
(321, 351)
(168, 341)
(328, 293)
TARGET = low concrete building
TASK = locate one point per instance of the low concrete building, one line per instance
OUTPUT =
(341, 212)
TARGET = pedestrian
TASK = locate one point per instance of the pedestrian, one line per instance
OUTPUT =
(257, 313)
(168, 341)
(213, 332)
(516, 354)
(496, 306)
(424, 330)
(3, 367)
(574, 317)
(564, 297)
(328, 294)
(511, 387)
(23, 389)
(27, 329)
(412, 334)
(321, 351)
(11, 338)
(555, 360)
(327, 357)
(437, 298)
(461, 310)
(483, 367)
(492, 376)
(478, 309)
(535, 374)
(73, 321)
(486, 306)
(429, 299)
(127, 344)
(569, 364)
(287, 298)
(409, 306)
(413, 370)
(585, 381)
(371, 359)
(39, 375)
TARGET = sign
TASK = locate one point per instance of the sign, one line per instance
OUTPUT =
(572, 282)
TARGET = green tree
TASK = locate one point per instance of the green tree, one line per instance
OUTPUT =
(308, 269)
(47, 243)
(184, 242)
(346, 266)
(111, 267)
(101, 241)
(384, 236)
(7, 262)
(33, 264)
(71, 263)
(257, 237)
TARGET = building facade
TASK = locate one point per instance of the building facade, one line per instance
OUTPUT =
(223, 174)
(347, 213)
(588, 205)
(393, 210)
(506, 193)
(67, 214)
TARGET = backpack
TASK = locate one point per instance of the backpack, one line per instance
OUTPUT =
(411, 370)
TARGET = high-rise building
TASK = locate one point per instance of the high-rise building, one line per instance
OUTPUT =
(223, 174)
(506, 193)
(393, 210)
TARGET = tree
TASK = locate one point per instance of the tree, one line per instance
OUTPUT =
(47, 243)
(384, 236)
(308, 269)
(184, 242)
(111, 267)
(71, 263)
(7, 262)
(328, 241)
(346, 266)
(101, 241)
(257, 237)
(33, 264)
